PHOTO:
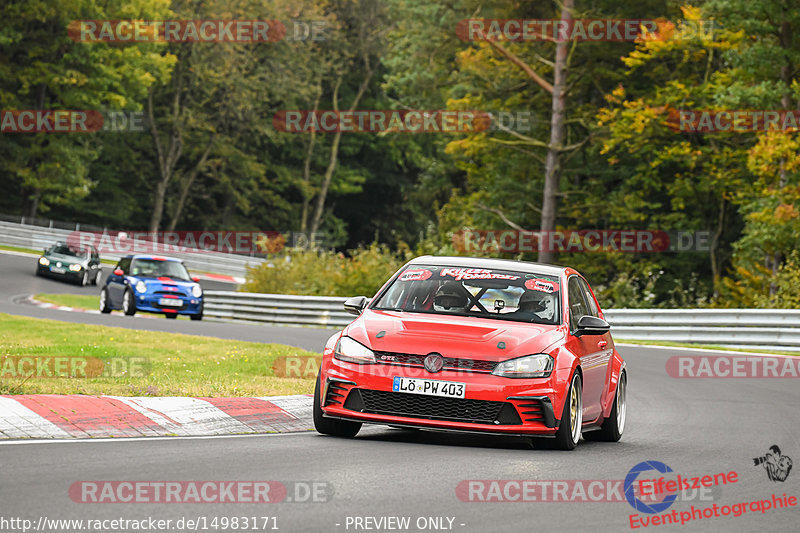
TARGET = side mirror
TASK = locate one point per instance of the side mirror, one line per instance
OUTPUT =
(118, 272)
(356, 304)
(195, 279)
(591, 325)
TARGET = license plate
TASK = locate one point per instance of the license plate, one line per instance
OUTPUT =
(58, 270)
(170, 302)
(429, 387)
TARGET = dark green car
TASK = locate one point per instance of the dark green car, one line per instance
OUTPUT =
(77, 263)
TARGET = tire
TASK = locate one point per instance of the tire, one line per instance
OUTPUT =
(172, 315)
(332, 426)
(96, 280)
(569, 430)
(196, 317)
(84, 279)
(104, 307)
(128, 303)
(614, 425)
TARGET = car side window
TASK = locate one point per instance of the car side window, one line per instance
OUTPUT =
(577, 302)
(591, 304)
(125, 265)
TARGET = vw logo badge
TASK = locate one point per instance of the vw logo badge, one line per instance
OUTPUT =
(434, 362)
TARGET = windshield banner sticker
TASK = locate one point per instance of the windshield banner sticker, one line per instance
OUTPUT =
(474, 273)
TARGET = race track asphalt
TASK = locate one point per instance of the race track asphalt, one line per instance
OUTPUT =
(695, 426)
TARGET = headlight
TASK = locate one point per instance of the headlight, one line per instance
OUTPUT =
(530, 366)
(354, 352)
(44, 261)
(197, 292)
(75, 267)
(140, 286)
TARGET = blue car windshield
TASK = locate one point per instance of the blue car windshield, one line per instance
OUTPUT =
(478, 292)
(155, 268)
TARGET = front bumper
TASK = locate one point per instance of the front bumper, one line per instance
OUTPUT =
(491, 404)
(149, 303)
(67, 274)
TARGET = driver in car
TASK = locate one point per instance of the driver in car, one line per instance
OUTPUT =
(538, 305)
(451, 298)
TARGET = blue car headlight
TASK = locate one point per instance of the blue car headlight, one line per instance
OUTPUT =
(197, 291)
(141, 287)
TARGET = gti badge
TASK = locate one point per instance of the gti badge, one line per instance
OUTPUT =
(434, 362)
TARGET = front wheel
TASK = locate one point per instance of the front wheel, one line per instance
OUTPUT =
(104, 307)
(172, 315)
(614, 425)
(85, 278)
(331, 426)
(128, 305)
(96, 279)
(197, 316)
(569, 430)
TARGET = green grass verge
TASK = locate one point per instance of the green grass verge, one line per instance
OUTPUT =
(175, 364)
(703, 346)
(79, 301)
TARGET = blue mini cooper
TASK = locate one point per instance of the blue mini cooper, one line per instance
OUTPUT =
(152, 284)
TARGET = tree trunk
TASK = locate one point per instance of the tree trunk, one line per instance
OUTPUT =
(552, 170)
(307, 169)
(187, 185)
(167, 159)
(326, 181)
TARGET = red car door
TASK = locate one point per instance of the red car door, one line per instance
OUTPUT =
(590, 349)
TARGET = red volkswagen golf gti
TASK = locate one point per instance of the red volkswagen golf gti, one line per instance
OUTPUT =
(478, 345)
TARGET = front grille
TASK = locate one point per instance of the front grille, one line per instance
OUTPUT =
(431, 407)
(450, 363)
(171, 293)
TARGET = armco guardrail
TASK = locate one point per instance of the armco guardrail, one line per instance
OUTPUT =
(325, 311)
(740, 328)
(38, 238)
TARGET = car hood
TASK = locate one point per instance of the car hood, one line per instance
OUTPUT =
(452, 336)
(161, 282)
(69, 259)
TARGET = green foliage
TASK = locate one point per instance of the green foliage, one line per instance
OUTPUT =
(362, 272)
(786, 286)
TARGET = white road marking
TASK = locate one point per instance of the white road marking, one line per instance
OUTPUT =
(19, 421)
(185, 416)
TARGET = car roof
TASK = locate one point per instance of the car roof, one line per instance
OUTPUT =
(481, 262)
(153, 257)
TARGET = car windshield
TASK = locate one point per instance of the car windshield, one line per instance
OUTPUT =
(157, 268)
(479, 292)
(63, 249)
